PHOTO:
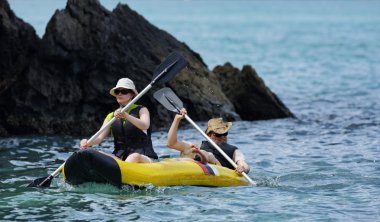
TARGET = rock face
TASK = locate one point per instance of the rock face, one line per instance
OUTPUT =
(18, 44)
(60, 84)
(249, 95)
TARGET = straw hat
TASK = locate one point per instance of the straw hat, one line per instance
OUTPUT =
(217, 125)
(126, 84)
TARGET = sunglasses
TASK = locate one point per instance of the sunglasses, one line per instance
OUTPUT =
(122, 91)
(220, 135)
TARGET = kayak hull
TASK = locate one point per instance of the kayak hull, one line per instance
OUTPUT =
(93, 166)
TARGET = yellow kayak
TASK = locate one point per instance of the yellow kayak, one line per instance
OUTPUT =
(93, 166)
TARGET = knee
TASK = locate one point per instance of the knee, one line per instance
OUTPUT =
(134, 158)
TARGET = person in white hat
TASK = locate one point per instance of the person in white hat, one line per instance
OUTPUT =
(217, 130)
(131, 130)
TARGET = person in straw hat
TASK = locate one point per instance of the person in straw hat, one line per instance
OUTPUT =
(131, 130)
(217, 130)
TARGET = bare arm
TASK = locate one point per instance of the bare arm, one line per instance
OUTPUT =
(185, 147)
(239, 159)
(211, 158)
(97, 140)
(172, 134)
(142, 123)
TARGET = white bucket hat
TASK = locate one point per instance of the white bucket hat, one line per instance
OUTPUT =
(126, 84)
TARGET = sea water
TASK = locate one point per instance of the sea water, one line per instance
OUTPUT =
(320, 57)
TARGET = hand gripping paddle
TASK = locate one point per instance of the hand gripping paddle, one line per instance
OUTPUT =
(171, 102)
(164, 72)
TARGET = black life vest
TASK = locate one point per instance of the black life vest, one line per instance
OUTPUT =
(227, 148)
(129, 139)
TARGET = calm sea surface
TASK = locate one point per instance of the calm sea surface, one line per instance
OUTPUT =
(320, 57)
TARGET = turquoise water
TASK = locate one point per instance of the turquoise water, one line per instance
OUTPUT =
(320, 57)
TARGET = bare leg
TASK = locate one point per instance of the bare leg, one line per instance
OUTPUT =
(138, 158)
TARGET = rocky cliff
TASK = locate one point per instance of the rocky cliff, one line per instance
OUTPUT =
(60, 84)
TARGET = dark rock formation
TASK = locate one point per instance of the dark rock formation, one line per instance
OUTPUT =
(18, 44)
(60, 83)
(249, 95)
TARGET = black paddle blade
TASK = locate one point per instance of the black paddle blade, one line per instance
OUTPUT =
(41, 182)
(169, 68)
(168, 99)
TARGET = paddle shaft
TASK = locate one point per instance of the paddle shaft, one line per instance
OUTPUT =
(109, 123)
(162, 74)
(219, 149)
(176, 106)
(106, 126)
(137, 97)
